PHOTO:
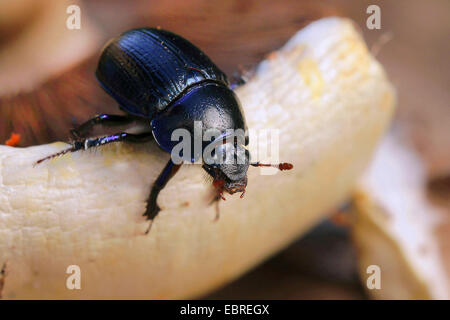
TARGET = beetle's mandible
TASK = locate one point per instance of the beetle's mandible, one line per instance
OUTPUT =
(164, 82)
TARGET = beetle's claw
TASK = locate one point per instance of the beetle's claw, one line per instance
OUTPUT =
(150, 215)
(149, 227)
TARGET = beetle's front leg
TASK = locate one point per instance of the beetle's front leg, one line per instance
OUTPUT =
(215, 201)
(152, 206)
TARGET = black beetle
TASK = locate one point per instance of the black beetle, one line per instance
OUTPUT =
(160, 78)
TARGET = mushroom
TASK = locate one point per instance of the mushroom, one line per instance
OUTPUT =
(327, 98)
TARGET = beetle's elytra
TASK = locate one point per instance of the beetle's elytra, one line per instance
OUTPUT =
(145, 70)
(161, 79)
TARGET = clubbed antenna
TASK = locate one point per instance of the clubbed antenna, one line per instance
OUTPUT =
(282, 166)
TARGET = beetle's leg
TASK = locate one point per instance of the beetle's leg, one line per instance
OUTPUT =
(109, 120)
(152, 206)
(90, 143)
(218, 195)
(215, 201)
(218, 191)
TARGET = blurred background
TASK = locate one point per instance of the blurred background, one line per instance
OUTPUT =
(47, 85)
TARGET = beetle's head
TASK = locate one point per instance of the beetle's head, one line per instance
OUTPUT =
(230, 174)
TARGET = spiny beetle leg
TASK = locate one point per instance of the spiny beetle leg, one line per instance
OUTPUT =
(152, 206)
(90, 143)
